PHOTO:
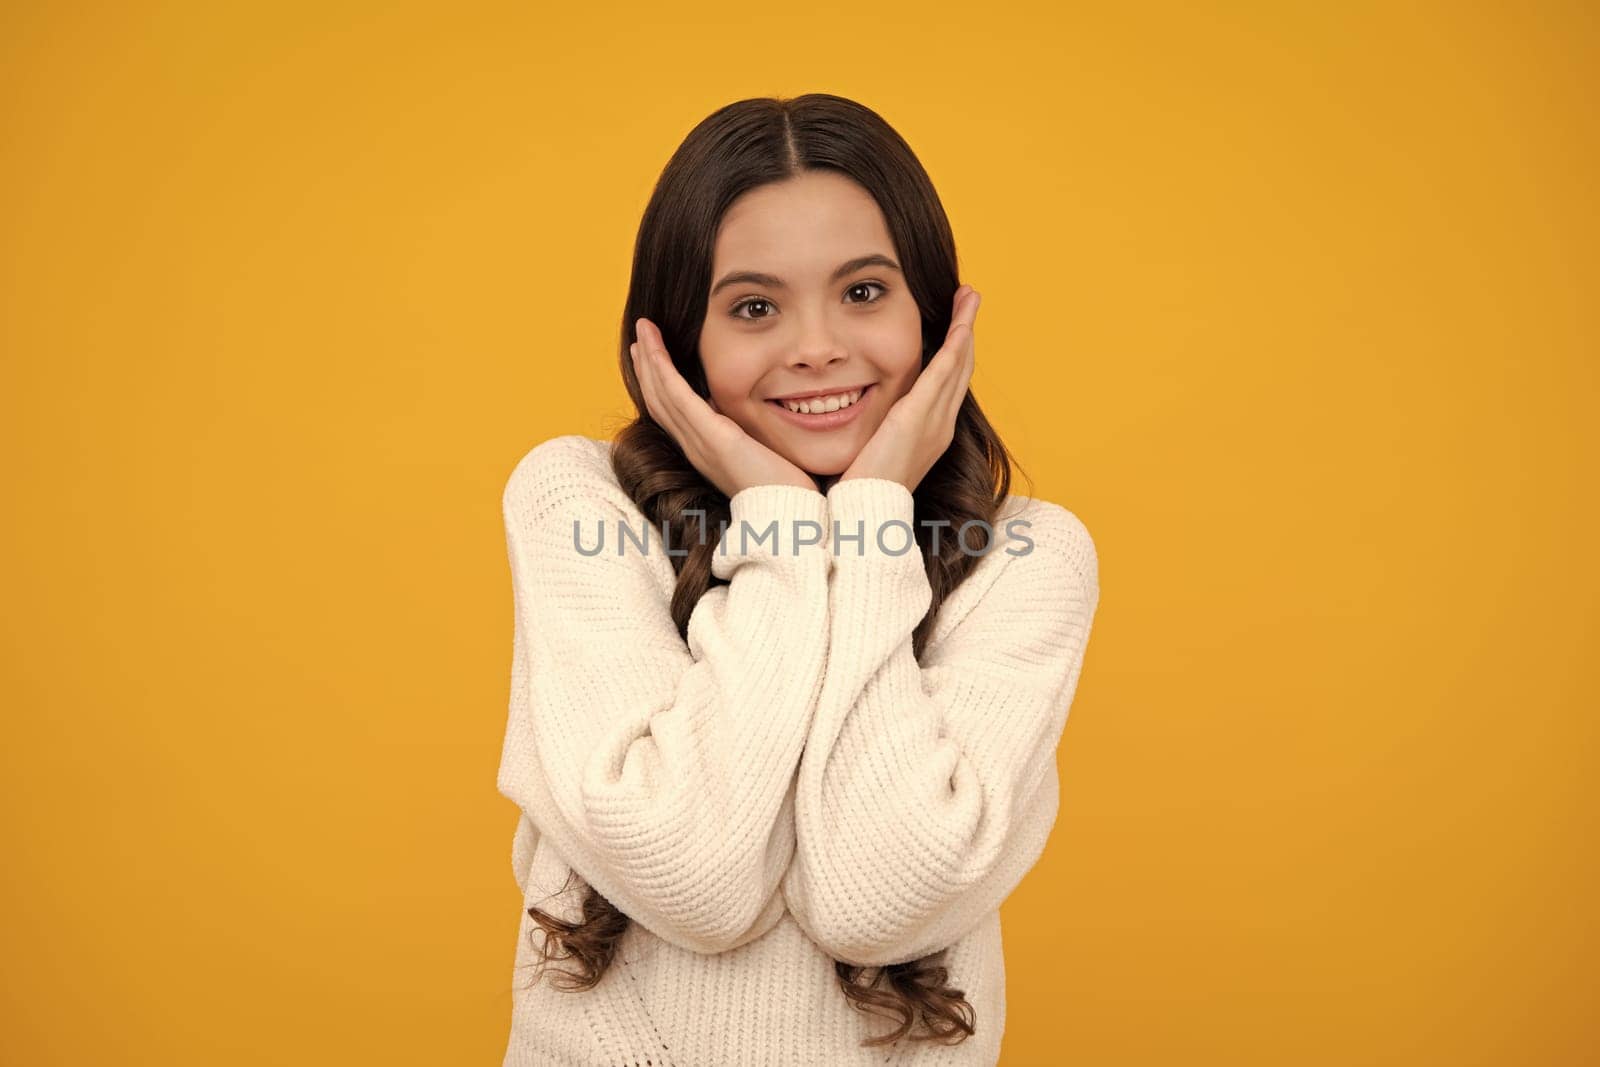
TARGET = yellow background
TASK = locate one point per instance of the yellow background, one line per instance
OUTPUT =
(1292, 304)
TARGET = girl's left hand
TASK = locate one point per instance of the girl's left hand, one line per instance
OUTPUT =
(920, 425)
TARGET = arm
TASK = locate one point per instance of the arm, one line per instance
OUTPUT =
(660, 770)
(926, 793)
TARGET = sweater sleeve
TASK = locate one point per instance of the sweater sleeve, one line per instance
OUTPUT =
(925, 793)
(659, 767)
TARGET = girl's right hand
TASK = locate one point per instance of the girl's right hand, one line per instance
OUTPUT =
(718, 447)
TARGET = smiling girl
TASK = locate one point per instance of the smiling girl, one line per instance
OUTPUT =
(778, 772)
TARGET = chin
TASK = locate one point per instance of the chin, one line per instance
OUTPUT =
(824, 470)
(823, 465)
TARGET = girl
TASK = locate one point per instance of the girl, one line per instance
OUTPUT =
(790, 662)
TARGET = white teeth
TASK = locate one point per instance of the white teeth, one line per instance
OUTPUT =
(819, 404)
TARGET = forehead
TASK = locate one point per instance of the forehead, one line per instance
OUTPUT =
(804, 226)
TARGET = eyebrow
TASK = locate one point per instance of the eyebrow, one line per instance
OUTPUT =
(875, 259)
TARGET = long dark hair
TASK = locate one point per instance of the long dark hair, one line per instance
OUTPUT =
(743, 145)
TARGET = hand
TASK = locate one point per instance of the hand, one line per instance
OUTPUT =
(920, 425)
(717, 446)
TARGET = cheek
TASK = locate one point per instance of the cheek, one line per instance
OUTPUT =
(900, 383)
(731, 381)
(902, 363)
(735, 363)
(900, 345)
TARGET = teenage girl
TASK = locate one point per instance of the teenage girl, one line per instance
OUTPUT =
(791, 663)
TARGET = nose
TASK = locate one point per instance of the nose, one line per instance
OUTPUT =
(817, 347)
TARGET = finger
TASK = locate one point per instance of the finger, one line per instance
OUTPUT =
(972, 343)
(657, 364)
(967, 310)
(649, 382)
(964, 318)
(958, 394)
(646, 386)
(687, 405)
(638, 373)
(965, 364)
(969, 350)
(682, 405)
(954, 390)
(946, 363)
(962, 358)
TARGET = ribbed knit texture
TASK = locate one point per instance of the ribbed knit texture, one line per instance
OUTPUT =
(788, 786)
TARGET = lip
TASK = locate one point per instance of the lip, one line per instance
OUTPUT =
(828, 420)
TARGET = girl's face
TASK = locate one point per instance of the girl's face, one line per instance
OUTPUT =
(797, 307)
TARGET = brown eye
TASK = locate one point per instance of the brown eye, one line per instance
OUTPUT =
(753, 301)
(868, 285)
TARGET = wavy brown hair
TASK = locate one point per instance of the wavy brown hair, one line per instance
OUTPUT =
(743, 145)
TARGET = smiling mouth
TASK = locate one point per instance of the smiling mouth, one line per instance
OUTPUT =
(861, 394)
(824, 422)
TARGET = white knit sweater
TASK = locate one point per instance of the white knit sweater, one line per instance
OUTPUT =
(788, 787)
